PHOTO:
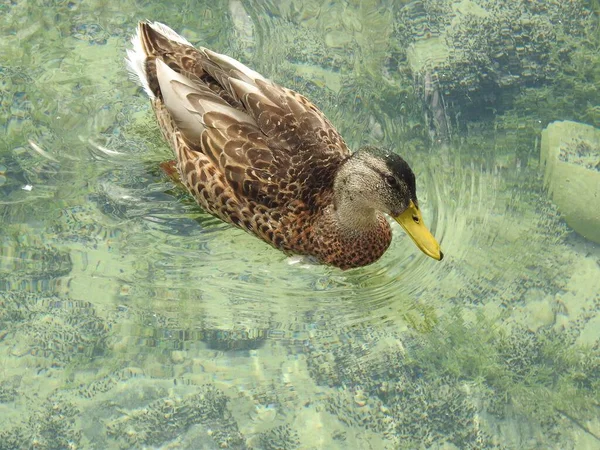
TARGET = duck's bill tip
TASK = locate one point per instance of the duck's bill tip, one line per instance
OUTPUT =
(412, 222)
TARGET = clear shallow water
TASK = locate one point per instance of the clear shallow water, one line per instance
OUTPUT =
(130, 319)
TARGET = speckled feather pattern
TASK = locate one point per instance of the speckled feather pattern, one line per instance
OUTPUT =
(261, 157)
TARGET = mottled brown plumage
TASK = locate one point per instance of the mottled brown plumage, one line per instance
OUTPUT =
(264, 158)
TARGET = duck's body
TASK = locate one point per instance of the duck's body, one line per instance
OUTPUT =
(261, 156)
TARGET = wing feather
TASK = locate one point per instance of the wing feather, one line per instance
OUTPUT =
(272, 144)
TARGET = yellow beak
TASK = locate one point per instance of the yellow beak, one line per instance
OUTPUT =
(412, 222)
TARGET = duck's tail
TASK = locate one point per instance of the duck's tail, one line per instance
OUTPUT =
(147, 43)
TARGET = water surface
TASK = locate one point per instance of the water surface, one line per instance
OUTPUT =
(129, 318)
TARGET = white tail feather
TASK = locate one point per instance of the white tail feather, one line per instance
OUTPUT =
(136, 63)
(136, 57)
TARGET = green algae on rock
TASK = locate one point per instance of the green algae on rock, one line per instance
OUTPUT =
(570, 152)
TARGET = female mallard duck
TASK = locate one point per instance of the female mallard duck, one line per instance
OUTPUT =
(265, 159)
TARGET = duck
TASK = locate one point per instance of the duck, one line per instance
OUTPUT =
(264, 158)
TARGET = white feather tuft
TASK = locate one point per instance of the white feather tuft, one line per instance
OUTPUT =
(136, 57)
(136, 63)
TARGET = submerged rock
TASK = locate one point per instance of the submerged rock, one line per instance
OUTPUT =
(570, 152)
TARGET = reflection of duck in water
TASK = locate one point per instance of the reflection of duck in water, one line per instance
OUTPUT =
(264, 158)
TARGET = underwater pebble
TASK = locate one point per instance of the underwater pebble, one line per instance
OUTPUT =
(544, 315)
(264, 414)
(360, 398)
(177, 356)
(538, 311)
(2, 180)
(19, 350)
(125, 290)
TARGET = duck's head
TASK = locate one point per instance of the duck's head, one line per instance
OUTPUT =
(373, 180)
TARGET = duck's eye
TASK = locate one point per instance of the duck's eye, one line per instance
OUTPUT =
(391, 180)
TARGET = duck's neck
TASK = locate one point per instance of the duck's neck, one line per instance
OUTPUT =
(354, 195)
(354, 219)
(347, 238)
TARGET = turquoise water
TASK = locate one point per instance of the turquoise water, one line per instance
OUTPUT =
(131, 319)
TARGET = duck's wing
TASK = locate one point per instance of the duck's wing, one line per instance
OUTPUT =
(271, 143)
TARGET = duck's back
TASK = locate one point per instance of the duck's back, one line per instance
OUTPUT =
(250, 151)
